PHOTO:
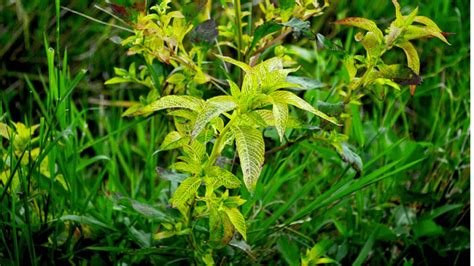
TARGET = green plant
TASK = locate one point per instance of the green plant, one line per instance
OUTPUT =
(209, 129)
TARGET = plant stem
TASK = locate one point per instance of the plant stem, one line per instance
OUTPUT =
(238, 23)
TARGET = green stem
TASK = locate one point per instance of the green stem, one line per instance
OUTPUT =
(238, 23)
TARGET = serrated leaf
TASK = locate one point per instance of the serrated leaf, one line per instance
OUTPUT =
(186, 190)
(291, 98)
(238, 220)
(412, 56)
(186, 167)
(280, 115)
(362, 23)
(251, 150)
(233, 201)
(263, 30)
(174, 140)
(240, 64)
(212, 109)
(173, 101)
(221, 177)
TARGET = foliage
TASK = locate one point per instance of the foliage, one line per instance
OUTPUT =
(239, 153)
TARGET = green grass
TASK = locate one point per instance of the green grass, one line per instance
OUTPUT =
(411, 202)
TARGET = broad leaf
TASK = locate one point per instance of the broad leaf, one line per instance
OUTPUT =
(173, 140)
(221, 177)
(400, 74)
(212, 109)
(291, 98)
(362, 23)
(280, 115)
(185, 192)
(240, 64)
(412, 56)
(238, 220)
(251, 150)
(221, 229)
(174, 101)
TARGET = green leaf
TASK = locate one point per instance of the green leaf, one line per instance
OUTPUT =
(174, 140)
(349, 156)
(251, 150)
(305, 83)
(116, 80)
(427, 228)
(221, 177)
(299, 27)
(280, 115)
(85, 220)
(417, 32)
(221, 229)
(233, 201)
(263, 30)
(5, 131)
(212, 109)
(362, 23)
(238, 220)
(412, 56)
(400, 74)
(186, 190)
(291, 98)
(169, 175)
(240, 64)
(174, 101)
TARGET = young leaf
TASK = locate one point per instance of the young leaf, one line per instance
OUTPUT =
(212, 109)
(184, 192)
(174, 101)
(242, 65)
(173, 140)
(221, 229)
(221, 177)
(417, 32)
(280, 114)
(291, 98)
(362, 23)
(412, 56)
(251, 150)
(400, 74)
(238, 220)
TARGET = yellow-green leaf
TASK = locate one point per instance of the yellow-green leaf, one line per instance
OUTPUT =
(362, 23)
(174, 140)
(291, 98)
(221, 177)
(251, 150)
(186, 190)
(238, 220)
(280, 114)
(212, 109)
(412, 56)
(173, 101)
